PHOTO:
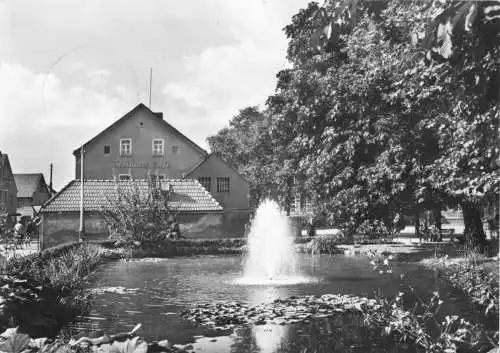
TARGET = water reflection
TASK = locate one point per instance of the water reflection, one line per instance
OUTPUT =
(169, 286)
(260, 295)
(269, 338)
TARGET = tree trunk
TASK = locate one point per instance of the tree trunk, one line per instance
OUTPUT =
(473, 231)
(436, 212)
(417, 224)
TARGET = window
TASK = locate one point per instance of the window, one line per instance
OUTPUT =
(107, 149)
(124, 177)
(206, 182)
(158, 145)
(223, 184)
(125, 147)
(176, 149)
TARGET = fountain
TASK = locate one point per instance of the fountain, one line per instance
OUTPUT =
(271, 257)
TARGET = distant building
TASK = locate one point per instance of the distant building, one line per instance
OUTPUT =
(32, 192)
(8, 188)
(199, 214)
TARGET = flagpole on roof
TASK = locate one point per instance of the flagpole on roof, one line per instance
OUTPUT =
(150, 84)
(81, 231)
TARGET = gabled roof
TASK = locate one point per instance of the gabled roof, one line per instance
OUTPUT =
(4, 163)
(187, 195)
(214, 155)
(27, 184)
(131, 113)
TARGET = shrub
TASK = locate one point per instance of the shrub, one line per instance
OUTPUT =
(476, 275)
(138, 216)
(324, 244)
(374, 229)
(63, 269)
(421, 322)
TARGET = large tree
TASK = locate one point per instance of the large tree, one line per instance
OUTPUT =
(371, 129)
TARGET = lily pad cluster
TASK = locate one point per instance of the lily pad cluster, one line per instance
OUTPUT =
(227, 315)
(13, 341)
(116, 290)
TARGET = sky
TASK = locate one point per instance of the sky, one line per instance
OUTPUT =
(70, 68)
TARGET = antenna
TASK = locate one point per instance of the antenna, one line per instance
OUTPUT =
(150, 84)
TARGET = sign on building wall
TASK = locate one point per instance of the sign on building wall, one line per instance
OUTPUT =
(140, 164)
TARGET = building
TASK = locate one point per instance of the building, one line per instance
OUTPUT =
(32, 192)
(228, 187)
(8, 188)
(199, 214)
(140, 146)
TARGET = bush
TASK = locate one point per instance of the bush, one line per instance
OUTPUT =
(63, 268)
(421, 322)
(324, 244)
(373, 228)
(138, 216)
(188, 247)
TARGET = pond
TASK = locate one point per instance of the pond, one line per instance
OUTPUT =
(153, 292)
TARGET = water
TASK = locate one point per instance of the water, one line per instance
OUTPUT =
(271, 257)
(154, 292)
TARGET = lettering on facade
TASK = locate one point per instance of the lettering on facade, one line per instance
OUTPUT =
(140, 164)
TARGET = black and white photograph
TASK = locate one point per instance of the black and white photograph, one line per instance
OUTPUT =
(262, 176)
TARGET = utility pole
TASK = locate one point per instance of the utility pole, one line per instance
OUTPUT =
(50, 182)
(150, 84)
(81, 231)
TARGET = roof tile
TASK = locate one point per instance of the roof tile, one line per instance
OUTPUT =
(187, 195)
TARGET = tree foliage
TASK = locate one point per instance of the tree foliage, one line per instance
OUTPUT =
(389, 109)
(246, 144)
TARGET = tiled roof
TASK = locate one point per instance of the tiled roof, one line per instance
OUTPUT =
(27, 184)
(187, 195)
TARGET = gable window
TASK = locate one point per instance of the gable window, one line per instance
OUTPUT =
(176, 149)
(158, 147)
(124, 177)
(206, 182)
(125, 147)
(223, 184)
(107, 149)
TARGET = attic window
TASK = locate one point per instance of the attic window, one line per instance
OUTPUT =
(125, 147)
(158, 147)
(107, 149)
(176, 149)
